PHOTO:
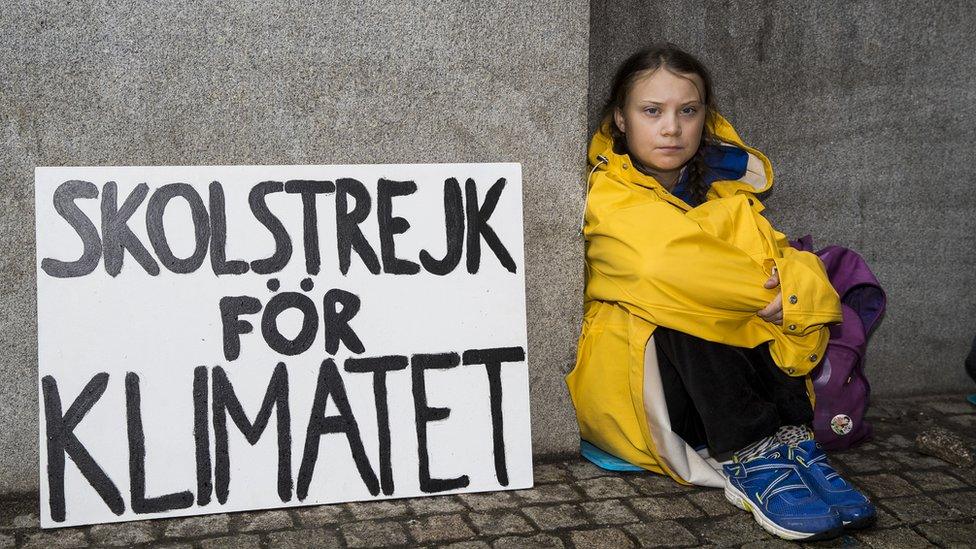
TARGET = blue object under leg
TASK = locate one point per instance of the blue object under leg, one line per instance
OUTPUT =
(604, 460)
(972, 399)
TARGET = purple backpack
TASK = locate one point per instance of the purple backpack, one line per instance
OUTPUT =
(839, 382)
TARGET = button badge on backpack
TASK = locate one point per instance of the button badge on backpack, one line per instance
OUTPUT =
(841, 424)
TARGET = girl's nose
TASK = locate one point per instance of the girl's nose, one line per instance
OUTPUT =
(670, 126)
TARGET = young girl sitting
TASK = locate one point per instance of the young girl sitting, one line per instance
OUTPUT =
(701, 322)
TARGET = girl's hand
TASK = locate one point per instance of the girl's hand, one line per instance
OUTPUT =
(774, 311)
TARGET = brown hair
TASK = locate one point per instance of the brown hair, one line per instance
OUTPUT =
(678, 61)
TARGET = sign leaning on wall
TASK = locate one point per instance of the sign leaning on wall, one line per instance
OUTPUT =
(225, 338)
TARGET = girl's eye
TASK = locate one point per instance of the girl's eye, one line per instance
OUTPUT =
(652, 110)
(689, 110)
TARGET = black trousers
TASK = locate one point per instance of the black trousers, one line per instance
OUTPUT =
(726, 397)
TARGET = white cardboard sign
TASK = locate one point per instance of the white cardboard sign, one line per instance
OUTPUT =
(225, 338)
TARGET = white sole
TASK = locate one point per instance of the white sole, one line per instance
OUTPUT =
(739, 499)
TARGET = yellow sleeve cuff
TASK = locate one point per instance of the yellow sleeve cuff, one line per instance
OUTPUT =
(809, 300)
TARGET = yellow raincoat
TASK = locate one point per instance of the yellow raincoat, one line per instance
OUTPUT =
(653, 260)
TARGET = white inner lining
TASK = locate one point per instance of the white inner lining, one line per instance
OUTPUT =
(685, 461)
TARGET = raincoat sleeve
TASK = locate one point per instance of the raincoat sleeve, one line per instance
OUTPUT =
(703, 272)
(809, 301)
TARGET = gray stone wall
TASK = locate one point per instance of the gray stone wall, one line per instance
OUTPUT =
(867, 110)
(132, 83)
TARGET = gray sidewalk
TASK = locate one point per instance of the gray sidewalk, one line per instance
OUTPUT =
(923, 501)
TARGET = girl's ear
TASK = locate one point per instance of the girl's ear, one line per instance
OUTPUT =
(618, 118)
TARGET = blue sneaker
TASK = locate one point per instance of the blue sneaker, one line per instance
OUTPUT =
(770, 486)
(853, 507)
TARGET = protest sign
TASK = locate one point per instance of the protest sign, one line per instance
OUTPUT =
(225, 338)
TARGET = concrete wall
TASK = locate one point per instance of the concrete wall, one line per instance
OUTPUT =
(131, 83)
(867, 110)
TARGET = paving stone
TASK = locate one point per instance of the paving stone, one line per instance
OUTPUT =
(26, 520)
(774, 543)
(7, 541)
(896, 441)
(302, 539)
(604, 538)
(845, 540)
(321, 515)
(869, 446)
(912, 404)
(611, 511)
(915, 509)
(664, 508)
(56, 539)
(915, 460)
(885, 410)
(263, 521)
(435, 505)
(499, 523)
(962, 424)
(18, 512)
(950, 534)
(731, 530)
(967, 475)
(550, 473)
(372, 533)
(858, 463)
(713, 502)
(488, 501)
(934, 481)
(538, 541)
(885, 427)
(964, 502)
(465, 545)
(249, 541)
(901, 537)
(606, 487)
(122, 534)
(654, 485)
(951, 407)
(582, 469)
(173, 545)
(661, 532)
(377, 509)
(438, 528)
(206, 525)
(548, 493)
(886, 519)
(885, 485)
(553, 517)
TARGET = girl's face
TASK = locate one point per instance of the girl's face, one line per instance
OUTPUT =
(663, 120)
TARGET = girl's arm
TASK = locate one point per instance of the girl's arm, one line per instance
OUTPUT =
(681, 271)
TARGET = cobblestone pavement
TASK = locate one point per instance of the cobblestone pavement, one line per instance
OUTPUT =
(922, 502)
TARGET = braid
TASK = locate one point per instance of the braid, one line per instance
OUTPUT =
(697, 167)
(696, 173)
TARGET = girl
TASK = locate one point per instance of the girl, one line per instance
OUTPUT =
(700, 321)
